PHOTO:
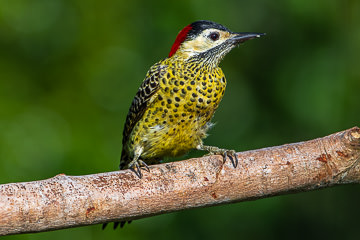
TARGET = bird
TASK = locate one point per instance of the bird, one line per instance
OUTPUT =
(173, 107)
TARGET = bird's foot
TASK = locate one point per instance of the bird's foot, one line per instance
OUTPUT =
(224, 152)
(136, 164)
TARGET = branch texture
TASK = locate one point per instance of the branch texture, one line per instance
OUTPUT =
(69, 201)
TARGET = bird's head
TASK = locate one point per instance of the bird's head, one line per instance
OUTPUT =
(207, 42)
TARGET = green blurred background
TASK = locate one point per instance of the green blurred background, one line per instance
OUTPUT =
(69, 70)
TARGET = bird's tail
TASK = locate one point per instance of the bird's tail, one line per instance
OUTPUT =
(124, 161)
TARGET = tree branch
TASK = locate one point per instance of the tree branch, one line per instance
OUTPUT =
(69, 201)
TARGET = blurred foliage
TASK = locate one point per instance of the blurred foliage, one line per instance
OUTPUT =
(69, 70)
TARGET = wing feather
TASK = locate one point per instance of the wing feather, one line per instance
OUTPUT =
(142, 99)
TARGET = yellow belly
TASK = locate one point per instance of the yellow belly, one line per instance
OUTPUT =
(179, 116)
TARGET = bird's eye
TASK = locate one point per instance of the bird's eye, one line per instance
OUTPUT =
(214, 36)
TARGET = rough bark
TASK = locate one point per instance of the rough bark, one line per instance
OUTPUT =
(69, 201)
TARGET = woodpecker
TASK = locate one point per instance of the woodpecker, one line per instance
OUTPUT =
(172, 110)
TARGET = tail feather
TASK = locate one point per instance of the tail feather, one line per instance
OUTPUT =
(116, 224)
(124, 161)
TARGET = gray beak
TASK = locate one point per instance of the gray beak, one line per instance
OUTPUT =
(244, 36)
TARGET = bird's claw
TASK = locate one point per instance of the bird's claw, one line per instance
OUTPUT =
(231, 154)
(142, 163)
(135, 166)
(233, 158)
